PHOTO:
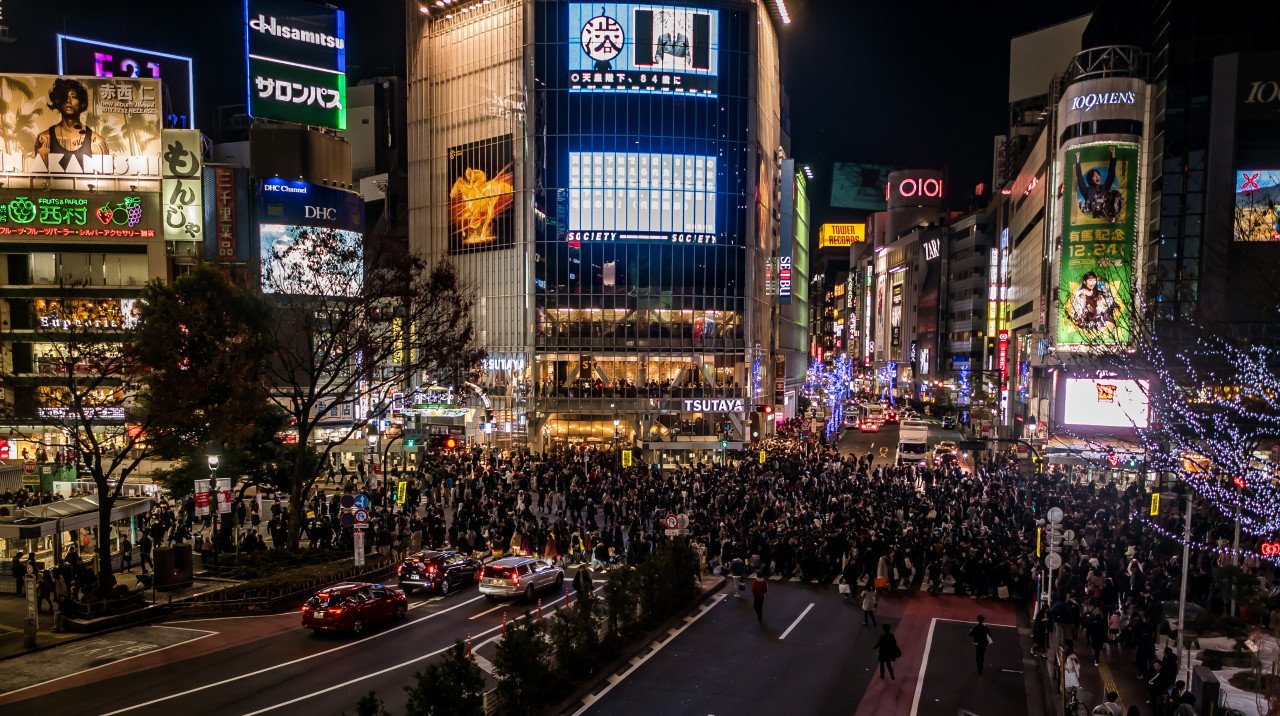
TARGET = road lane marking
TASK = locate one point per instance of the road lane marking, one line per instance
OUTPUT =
(591, 699)
(797, 621)
(218, 619)
(924, 666)
(425, 602)
(273, 667)
(380, 672)
(491, 609)
(7, 694)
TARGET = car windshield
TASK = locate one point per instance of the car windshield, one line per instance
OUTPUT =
(912, 447)
(499, 571)
(322, 599)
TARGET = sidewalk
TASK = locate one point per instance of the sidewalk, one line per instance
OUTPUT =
(13, 615)
(1115, 671)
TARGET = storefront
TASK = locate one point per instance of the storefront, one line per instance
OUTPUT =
(51, 530)
(1093, 461)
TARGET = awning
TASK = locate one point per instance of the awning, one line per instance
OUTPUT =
(67, 515)
(1068, 450)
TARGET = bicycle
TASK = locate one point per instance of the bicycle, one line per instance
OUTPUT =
(1076, 707)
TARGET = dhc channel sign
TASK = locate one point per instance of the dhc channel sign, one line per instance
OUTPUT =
(301, 204)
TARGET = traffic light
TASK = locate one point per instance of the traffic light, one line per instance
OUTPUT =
(724, 443)
(410, 442)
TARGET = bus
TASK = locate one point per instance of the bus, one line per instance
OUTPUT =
(871, 413)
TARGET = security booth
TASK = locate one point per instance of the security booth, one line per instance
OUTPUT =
(52, 529)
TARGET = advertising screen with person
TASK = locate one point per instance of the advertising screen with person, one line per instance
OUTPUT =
(481, 197)
(1096, 269)
(1257, 211)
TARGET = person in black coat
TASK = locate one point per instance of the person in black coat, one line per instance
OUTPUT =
(888, 651)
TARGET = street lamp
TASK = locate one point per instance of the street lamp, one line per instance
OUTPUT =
(214, 459)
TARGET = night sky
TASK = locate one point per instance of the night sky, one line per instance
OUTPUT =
(913, 84)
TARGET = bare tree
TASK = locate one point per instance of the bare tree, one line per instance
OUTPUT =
(355, 329)
(83, 397)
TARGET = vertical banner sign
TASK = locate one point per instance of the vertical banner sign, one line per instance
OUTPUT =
(1003, 354)
(402, 489)
(202, 498)
(1098, 230)
(1155, 504)
(224, 179)
(626, 458)
(182, 191)
(224, 496)
(358, 538)
(297, 61)
(763, 456)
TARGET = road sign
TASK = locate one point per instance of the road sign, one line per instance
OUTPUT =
(672, 522)
(348, 501)
(29, 467)
(682, 521)
(1055, 515)
(362, 501)
(1053, 560)
(348, 519)
(1069, 536)
(362, 518)
(673, 533)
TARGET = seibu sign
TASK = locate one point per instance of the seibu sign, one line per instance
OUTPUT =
(914, 188)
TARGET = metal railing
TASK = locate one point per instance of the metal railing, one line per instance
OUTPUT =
(1108, 61)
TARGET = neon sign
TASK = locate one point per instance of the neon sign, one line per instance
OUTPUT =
(101, 214)
(911, 186)
(1271, 549)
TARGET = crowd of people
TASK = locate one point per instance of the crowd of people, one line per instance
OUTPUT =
(795, 507)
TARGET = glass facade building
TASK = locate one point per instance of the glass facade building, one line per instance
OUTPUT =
(606, 177)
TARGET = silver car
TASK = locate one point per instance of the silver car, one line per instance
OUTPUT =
(519, 576)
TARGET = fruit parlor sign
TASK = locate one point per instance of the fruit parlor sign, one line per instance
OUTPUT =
(105, 214)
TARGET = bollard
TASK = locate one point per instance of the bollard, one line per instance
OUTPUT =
(468, 645)
(504, 622)
(539, 610)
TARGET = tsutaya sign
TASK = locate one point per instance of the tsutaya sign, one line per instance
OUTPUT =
(713, 405)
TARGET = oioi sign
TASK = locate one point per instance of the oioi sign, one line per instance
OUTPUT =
(297, 61)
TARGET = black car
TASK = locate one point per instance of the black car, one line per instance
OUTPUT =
(443, 571)
(948, 423)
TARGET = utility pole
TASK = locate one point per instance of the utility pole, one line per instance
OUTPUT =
(1182, 592)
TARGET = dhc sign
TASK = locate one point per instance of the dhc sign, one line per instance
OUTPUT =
(711, 405)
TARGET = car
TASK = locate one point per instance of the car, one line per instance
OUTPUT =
(353, 607)
(948, 445)
(850, 420)
(441, 570)
(519, 576)
(943, 457)
(869, 426)
(949, 423)
(890, 417)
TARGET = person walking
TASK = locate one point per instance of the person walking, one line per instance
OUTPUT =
(19, 571)
(887, 651)
(1110, 707)
(737, 575)
(583, 585)
(980, 634)
(759, 587)
(144, 552)
(869, 599)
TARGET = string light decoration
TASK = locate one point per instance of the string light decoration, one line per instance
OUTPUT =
(1222, 551)
(829, 386)
(1212, 407)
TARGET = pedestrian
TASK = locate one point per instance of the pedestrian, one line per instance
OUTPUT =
(126, 554)
(144, 552)
(738, 573)
(1109, 707)
(19, 571)
(888, 650)
(869, 599)
(1040, 634)
(980, 634)
(1070, 664)
(582, 585)
(759, 586)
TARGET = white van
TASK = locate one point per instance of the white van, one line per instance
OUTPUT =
(913, 443)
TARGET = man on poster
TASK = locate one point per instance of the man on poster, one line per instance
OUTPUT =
(69, 137)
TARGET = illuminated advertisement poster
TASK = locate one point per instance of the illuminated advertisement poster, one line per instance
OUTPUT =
(310, 238)
(1106, 403)
(1096, 269)
(224, 212)
(643, 48)
(80, 127)
(1257, 212)
(87, 314)
(81, 56)
(297, 61)
(764, 198)
(616, 196)
(895, 312)
(839, 235)
(183, 189)
(481, 195)
(72, 214)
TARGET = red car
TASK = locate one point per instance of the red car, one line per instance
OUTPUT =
(353, 607)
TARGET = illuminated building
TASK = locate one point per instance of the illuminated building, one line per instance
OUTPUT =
(607, 177)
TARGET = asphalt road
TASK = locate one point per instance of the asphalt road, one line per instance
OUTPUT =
(883, 444)
(290, 671)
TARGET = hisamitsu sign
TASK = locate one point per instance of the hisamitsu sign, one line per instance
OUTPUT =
(297, 60)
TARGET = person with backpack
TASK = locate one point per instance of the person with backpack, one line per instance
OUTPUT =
(888, 651)
(1109, 707)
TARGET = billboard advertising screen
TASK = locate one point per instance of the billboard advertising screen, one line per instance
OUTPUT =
(297, 61)
(79, 214)
(1098, 224)
(481, 186)
(643, 48)
(1106, 403)
(81, 127)
(1257, 209)
(310, 239)
(859, 186)
(616, 196)
(81, 56)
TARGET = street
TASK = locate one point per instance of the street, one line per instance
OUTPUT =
(884, 443)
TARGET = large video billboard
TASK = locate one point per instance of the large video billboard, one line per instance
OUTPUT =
(859, 186)
(481, 187)
(297, 61)
(311, 239)
(1096, 267)
(80, 127)
(1257, 211)
(643, 48)
(81, 56)
(618, 196)
(1106, 403)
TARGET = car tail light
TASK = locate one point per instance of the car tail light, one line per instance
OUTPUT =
(515, 579)
(432, 569)
(306, 607)
(399, 569)
(480, 574)
(336, 611)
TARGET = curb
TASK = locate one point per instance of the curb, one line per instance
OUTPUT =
(574, 700)
(84, 636)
